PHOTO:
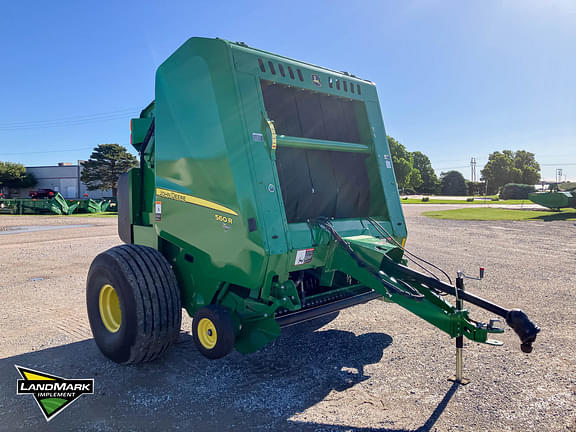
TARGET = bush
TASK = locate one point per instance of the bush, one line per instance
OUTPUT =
(470, 199)
(516, 191)
(425, 199)
(453, 183)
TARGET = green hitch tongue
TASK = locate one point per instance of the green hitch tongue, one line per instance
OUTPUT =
(517, 319)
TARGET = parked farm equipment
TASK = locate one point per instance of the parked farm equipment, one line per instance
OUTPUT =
(561, 196)
(54, 204)
(95, 206)
(265, 197)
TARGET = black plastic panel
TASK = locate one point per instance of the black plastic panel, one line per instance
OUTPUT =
(124, 226)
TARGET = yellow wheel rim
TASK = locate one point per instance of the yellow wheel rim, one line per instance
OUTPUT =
(110, 308)
(207, 334)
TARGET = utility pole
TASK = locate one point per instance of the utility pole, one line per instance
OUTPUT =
(473, 169)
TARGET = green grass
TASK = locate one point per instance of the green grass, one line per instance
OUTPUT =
(462, 201)
(103, 214)
(492, 214)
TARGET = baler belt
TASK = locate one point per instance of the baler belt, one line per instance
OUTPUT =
(323, 183)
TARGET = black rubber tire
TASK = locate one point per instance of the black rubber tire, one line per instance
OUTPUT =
(225, 329)
(150, 305)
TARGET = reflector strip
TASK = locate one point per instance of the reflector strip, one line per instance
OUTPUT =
(273, 133)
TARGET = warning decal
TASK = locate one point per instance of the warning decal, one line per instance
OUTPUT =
(158, 208)
(304, 256)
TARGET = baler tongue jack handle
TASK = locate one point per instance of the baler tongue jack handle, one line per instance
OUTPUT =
(465, 276)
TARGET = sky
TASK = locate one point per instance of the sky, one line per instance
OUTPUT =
(456, 79)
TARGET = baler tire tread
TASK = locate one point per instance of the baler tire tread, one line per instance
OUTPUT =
(168, 305)
(147, 280)
(171, 295)
(146, 346)
(173, 292)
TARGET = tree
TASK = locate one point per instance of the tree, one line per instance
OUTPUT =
(402, 161)
(415, 179)
(430, 182)
(13, 175)
(105, 166)
(452, 183)
(413, 170)
(526, 162)
(510, 167)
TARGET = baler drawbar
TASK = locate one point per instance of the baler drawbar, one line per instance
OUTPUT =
(399, 280)
(265, 197)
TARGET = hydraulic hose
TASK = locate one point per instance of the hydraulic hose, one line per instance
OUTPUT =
(409, 291)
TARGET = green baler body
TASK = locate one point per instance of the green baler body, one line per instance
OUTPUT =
(248, 149)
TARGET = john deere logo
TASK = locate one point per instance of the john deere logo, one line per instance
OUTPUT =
(52, 393)
(316, 80)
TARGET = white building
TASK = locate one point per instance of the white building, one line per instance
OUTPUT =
(63, 178)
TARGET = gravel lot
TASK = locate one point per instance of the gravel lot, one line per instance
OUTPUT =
(371, 367)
